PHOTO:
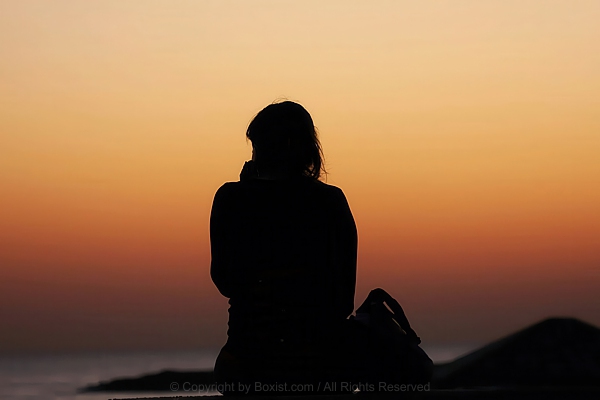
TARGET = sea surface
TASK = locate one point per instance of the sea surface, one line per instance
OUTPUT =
(58, 376)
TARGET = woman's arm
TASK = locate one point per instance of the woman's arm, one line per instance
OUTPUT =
(221, 232)
(345, 256)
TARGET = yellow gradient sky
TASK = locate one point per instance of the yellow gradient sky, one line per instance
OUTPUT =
(465, 134)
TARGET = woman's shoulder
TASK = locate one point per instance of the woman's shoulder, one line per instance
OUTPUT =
(227, 190)
(227, 187)
(330, 189)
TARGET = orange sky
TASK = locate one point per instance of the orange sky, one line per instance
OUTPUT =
(465, 135)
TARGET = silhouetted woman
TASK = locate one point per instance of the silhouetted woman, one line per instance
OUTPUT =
(284, 248)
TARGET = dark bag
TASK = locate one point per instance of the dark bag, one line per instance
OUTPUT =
(392, 336)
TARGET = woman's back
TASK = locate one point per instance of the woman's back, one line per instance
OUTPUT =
(284, 252)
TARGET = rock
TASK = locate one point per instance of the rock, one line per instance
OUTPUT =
(554, 352)
(167, 381)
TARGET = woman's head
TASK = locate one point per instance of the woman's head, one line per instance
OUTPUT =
(284, 140)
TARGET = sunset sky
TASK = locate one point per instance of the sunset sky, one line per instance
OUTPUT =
(465, 135)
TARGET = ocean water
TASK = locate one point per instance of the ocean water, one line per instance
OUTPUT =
(58, 376)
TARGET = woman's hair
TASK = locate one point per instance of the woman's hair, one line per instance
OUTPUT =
(285, 139)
